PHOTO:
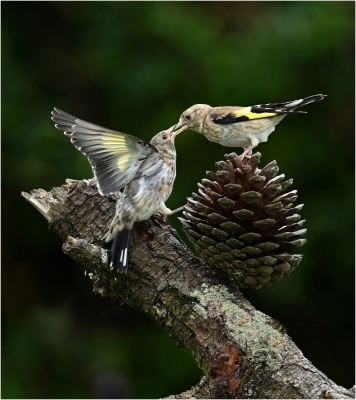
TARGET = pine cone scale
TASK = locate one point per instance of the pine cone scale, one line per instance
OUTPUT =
(241, 222)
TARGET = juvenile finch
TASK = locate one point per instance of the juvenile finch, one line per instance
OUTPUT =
(146, 170)
(240, 126)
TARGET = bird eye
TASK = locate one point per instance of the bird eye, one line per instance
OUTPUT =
(164, 137)
(187, 116)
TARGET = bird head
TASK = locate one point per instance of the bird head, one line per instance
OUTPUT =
(193, 117)
(164, 140)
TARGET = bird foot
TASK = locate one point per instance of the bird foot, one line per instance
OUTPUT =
(177, 210)
(246, 154)
(166, 211)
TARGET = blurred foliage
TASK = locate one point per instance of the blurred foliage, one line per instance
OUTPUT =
(135, 67)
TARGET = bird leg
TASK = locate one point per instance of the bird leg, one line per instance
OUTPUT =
(248, 151)
(177, 210)
(166, 211)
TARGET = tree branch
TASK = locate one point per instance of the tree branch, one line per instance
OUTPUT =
(242, 351)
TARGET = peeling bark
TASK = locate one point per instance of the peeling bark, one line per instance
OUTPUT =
(243, 352)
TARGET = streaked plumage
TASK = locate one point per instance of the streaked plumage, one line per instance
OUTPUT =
(240, 126)
(145, 170)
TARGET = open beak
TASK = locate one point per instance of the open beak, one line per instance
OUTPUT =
(180, 124)
(176, 129)
(180, 127)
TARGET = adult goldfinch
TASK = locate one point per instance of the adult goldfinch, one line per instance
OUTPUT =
(240, 126)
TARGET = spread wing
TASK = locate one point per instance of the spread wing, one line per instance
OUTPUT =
(115, 157)
(231, 115)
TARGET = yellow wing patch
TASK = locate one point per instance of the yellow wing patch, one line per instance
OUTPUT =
(124, 161)
(247, 112)
(242, 114)
(253, 115)
(114, 143)
(114, 156)
(117, 145)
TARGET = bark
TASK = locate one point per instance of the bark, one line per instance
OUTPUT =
(242, 352)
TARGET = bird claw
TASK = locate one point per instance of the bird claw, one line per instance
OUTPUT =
(246, 154)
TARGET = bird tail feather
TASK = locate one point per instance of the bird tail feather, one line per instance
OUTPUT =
(118, 254)
(291, 105)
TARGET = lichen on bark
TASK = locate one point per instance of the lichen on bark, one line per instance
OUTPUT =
(242, 352)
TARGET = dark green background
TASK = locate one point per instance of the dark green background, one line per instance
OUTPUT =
(135, 67)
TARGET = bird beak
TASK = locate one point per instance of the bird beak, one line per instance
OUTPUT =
(180, 124)
(176, 129)
(182, 129)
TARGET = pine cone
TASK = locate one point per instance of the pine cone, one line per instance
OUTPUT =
(242, 224)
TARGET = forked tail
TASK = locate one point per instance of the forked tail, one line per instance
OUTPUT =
(290, 105)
